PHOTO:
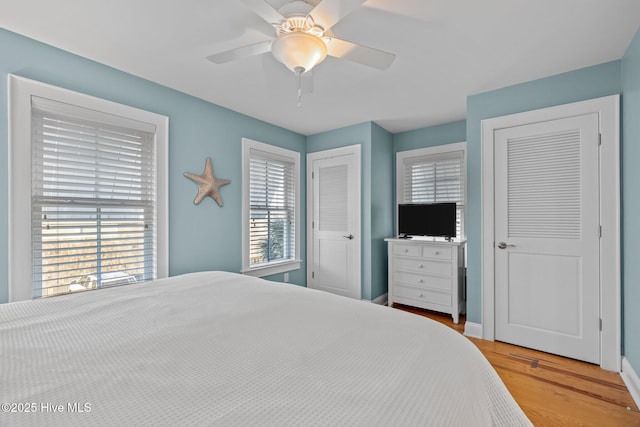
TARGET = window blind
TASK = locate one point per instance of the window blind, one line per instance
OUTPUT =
(93, 199)
(272, 208)
(436, 178)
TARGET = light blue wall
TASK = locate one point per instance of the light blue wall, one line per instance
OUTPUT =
(202, 237)
(592, 82)
(447, 133)
(382, 179)
(630, 155)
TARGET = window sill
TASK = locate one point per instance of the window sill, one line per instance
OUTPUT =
(268, 270)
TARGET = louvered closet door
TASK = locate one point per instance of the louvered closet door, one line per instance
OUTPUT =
(546, 214)
(336, 226)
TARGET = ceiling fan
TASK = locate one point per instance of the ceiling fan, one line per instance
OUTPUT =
(302, 38)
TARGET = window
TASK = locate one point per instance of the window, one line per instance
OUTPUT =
(91, 176)
(271, 209)
(434, 175)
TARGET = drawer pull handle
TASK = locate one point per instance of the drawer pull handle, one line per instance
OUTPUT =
(421, 295)
(420, 281)
(421, 266)
(406, 250)
(437, 252)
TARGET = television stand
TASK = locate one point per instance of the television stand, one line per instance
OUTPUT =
(427, 274)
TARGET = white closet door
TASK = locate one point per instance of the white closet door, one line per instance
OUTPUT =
(547, 236)
(335, 228)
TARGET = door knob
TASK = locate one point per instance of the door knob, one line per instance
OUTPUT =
(503, 245)
(350, 237)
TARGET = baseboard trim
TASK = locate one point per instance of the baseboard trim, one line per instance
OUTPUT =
(381, 300)
(473, 330)
(631, 379)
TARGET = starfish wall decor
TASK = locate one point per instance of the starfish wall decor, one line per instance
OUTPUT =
(208, 184)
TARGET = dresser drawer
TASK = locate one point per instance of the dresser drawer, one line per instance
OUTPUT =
(436, 252)
(406, 250)
(423, 266)
(441, 298)
(422, 281)
(426, 273)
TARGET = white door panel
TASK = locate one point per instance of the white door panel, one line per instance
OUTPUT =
(538, 277)
(547, 222)
(332, 255)
(334, 235)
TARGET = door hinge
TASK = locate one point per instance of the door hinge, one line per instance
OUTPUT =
(600, 324)
(313, 175)
(600, 231)
(599, 139)
(313, 274)
(313, 225)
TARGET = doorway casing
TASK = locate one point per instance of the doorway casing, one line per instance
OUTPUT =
(608, 109)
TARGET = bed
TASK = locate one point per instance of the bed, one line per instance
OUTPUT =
(217, 348)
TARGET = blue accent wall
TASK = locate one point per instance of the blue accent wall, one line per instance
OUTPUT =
(630, 155)
(586, 83)
(203, 237)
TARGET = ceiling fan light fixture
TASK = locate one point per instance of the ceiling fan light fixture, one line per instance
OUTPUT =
(299, 50)
(296, 23)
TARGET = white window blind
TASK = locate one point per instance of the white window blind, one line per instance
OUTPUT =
(272, 199)
(94, 212)
(436, 178)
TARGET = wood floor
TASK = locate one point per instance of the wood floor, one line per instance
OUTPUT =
(553, 390)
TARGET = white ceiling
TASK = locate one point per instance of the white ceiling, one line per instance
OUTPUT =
(445, 50)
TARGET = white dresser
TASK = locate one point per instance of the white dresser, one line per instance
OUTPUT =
(427, 273)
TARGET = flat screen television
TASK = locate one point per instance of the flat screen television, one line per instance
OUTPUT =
(427, 219)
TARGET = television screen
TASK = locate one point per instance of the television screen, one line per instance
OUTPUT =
(427, 219)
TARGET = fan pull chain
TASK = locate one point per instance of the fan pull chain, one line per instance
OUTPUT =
(299, 71)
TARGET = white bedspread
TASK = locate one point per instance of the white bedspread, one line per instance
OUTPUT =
(223, 349)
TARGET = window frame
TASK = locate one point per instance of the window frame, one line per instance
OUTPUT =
(21, 91)
(438, 150)
(273, 267)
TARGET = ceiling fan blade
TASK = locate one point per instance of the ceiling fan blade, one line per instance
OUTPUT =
(264, 10)
(241, 52)
(361, 54)
(329, 12)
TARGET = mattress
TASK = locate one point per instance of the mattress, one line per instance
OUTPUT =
(221, 349)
